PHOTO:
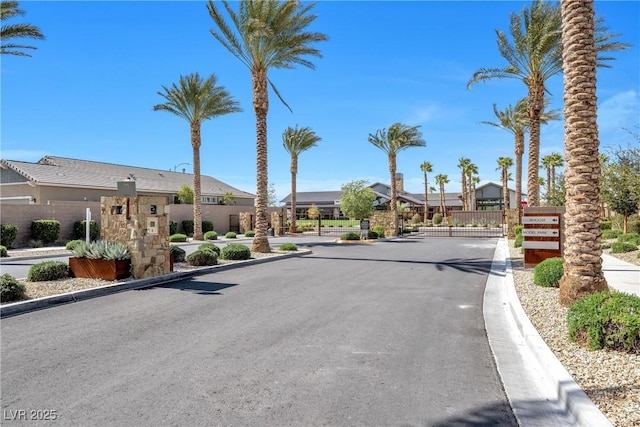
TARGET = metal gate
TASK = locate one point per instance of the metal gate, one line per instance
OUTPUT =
(462, 224)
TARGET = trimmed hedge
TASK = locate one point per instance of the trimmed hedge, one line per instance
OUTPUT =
(72, 244)
(8, 234)
(178, 237)
(633, 238)
(188, 226)
(11, 289)
(611, 234)
(45, 230)
(549, 272)
(372, 235)
(378, 229)
(210, 235)
(621, 247)
(80, 230)
(235, 251)
(202, 257)
(48, 270)
(209, 247)
(288, 247)
(173, 227)
(249, 233)
(352, 235)
(3, 251)
(179, 254)
(230, 235)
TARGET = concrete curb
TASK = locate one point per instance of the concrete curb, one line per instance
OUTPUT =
(20, 307)
(540, 390)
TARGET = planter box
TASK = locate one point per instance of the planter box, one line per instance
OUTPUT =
(106, 269)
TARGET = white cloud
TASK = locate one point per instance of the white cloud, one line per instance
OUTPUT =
(618, 111)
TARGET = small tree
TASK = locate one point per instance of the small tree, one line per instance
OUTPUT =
(185, 195)
(620, 181)
(357, 199)
(229, 199)
(313, 212)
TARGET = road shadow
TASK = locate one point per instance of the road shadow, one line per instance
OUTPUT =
(500, 414)
(195, 286)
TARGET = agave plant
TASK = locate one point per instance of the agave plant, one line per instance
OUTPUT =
(97, 249)
(116, 250)
(81, 250)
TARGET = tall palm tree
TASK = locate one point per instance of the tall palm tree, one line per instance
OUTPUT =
(197, 100)
(533, 57)
(556, 162)
(472, 180)
(441, 180)
(426, 167)
(545, 163)
(266, 34)
(504, 163)
(463, 164)
(8, 10)
(295, 141)
(399, 137)
(582, 251)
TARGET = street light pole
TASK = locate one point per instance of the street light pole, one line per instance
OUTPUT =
(179, 164)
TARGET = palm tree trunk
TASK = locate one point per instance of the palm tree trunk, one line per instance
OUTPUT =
(261, 107)
(426, 201)
(535, 106)
(505, 191)
(465, 192)
(294, 171)
(394, 198)
(582, 251)
(549, 183)
(519, 151)
(443, 209)
(197, 189)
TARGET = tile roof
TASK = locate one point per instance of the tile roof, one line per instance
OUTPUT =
(66, 172)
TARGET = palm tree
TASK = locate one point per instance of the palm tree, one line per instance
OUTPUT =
(534, 56)
(397, 138)
(546, 165)
(426, 167)
(295, 141)
(472, 180)
(8, 10)
(463, 164)
(197, 100)
(441, 180)
(556, 162)
(582, 250)
(266, 34)
(504, 163)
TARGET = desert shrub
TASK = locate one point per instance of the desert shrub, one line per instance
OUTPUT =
(207, 226)
(517, 243)
(72, 244)
(178, 237)
(249, 233)
(179, 254)
(201, 258)
(372, 235)
(48, 270)
(173, 227)
(288, 247)
(35, 243)
(611, 234)
(606, 320)
(8, 234)
(437, 219)
(352, 235)
(235, 251)
(416, 219)
(11, 289)
(80, 230)
(230, 235)
(517, 230)
(209, 247)
(187, 227)
(46, 230)
(620, 247)
(549, 272)
(378, 229)
(211, 235)
(3, 251)
(633, 238)
(605, 225)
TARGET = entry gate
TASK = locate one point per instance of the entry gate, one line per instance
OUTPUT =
(463, 224)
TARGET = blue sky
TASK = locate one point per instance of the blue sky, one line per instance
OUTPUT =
(89, 89)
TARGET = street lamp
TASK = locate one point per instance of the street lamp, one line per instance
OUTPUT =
(179, 164)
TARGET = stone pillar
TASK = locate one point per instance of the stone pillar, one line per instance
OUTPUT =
(385, 219)
(245, 221)
(276, 223)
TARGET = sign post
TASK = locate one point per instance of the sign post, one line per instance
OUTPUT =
(542, 237)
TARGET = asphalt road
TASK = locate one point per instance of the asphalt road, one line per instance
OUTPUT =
(389, 333)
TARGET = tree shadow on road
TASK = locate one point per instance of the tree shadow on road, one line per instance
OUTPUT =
(195, 286)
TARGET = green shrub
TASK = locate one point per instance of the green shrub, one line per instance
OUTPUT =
(72, 244)
(606, 320)
(249, 233)
(605, 225)
(178, 237)
(35, 243)
(517, 243)
(48, 270)
(372, 235)
(633, 238)
(611, 234)
(549, 272)
(46, 230)
(210, 235)
(80, 230)
(416, 219)
(633, 223)
(230, 235)
(187, 227)
(201, 258)
(288, 247)
(235, 251)
(8, 234)
(620, 247)
(605, 245)
(173, 227)
(3, 251)
(517, 230)
(378, 229)
(352, 235)
(437, 219)
(179, 254)
(209, 247)
(11, 289)
(207, 226)
(407, 230)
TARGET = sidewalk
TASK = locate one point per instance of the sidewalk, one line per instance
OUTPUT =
(621, 275)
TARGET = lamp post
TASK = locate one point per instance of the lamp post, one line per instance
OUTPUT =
(179, 164)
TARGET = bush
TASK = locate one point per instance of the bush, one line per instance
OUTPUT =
(207, 226)
(372, 235)
(549, 272)
(249, 233)
(178, 237)
(517, 230)
(288, 247)
(187, 227)
(72, 244)
(379, 230)
(517, 243)
(437, 219)
(606, 320)
(611, 234)
(230, 235)
(173, 227)
(235, 251)
(35, 243)
(605, 225)
(209, 247)
(633, 238)
(46, 230)
(179, 254)
(8, 234)
(201, 258)
(633, 223)
(80, 230)
(620, 247)
(416, 219)
(352, 235)
(210, 235)
(11, 289)
(3, 251)
(48, 270)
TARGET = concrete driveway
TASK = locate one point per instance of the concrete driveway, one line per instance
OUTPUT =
(387, 333)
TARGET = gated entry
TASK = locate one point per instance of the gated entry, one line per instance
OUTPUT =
(465, 224)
